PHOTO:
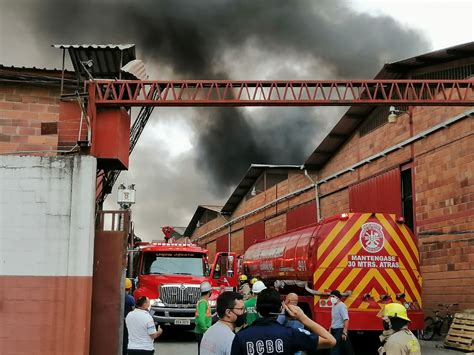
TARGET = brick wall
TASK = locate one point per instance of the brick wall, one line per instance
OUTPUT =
(33, 119)
(28, 118)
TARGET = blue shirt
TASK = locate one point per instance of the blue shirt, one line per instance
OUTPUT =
(129, 304)
(338, 315)
(288, 322)
(266, 336)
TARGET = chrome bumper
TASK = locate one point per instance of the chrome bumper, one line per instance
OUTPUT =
(165, 315)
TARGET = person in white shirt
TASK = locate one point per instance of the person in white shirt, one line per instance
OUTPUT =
(141, 329)
(217, 340)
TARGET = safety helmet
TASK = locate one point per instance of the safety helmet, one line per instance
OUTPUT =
(258, 287)
(205, 286)
(394, 310)
(243, 278)
(128, 284)
(253, 280)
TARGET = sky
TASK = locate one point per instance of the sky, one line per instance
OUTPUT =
(190, 156)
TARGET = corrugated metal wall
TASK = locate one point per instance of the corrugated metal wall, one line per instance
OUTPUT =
(253, 233)
(301, 216)
(381, 194)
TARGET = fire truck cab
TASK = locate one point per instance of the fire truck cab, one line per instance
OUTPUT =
(170, 275)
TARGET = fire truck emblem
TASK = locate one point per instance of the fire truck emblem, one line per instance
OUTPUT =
(182, 287)
(371, 237)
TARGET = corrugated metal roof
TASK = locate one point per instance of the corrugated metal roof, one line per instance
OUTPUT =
(355, 115)
(106, 59)
(197, 216)
(249, 179)
(136, 68)
(88, 46)
(38, 76)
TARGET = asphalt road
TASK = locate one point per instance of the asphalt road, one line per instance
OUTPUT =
(179, 341)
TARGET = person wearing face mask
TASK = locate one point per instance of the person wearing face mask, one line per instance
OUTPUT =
(396, 338)
(339, 325)
(218, 338)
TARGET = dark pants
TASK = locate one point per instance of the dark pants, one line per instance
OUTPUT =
(125, 339)
(140, 352)
(342, 347)
(199, 338)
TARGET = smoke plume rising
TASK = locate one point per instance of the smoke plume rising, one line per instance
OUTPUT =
(234, 39)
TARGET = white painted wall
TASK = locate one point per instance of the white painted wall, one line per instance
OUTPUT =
(47, 215)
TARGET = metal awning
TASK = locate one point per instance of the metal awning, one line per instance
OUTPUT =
(103, 61)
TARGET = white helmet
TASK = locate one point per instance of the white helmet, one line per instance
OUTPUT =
(205, 286)
(258, 287)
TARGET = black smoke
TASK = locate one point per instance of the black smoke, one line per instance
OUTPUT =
(193, 38)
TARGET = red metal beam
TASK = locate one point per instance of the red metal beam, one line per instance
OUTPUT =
(283, 93)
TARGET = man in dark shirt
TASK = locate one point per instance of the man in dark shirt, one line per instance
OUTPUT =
(267, 336)
(129, 305)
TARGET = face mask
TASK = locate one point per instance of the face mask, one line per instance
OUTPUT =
(240, 321)
(387, 325)
(333, 300)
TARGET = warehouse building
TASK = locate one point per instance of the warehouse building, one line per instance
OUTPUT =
(420, 166)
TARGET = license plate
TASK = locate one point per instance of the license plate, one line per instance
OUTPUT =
(182, 321)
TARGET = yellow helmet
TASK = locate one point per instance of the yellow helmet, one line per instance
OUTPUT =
(128, 283)
(243, 278)
(394, 310)
(253, 280)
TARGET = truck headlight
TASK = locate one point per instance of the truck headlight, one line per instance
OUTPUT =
(212, 303)
(157, 302)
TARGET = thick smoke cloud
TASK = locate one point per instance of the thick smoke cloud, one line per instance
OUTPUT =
(191, 37)
(232, 39)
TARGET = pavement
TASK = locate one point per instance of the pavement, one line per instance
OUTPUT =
(436, 347)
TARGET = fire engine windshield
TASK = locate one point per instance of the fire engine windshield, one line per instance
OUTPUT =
(173, 263)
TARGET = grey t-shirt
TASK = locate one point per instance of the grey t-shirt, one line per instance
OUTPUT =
(339, 314)
(217, 340)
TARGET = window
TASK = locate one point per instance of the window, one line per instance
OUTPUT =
(266, 180)
(207, 216)
(169, 263)
(377, 118)
(407, 197)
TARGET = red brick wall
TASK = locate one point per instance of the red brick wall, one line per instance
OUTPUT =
(34, 119)
(24, 110)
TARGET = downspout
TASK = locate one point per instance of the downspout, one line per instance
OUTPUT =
(316, 195)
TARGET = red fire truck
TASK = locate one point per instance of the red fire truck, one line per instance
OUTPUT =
(170, 274)
(371, 258)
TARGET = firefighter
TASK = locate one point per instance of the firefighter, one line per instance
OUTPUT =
(203, 318)
(244, 287)
(253, 280)
(396, 338)
(250, 304)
